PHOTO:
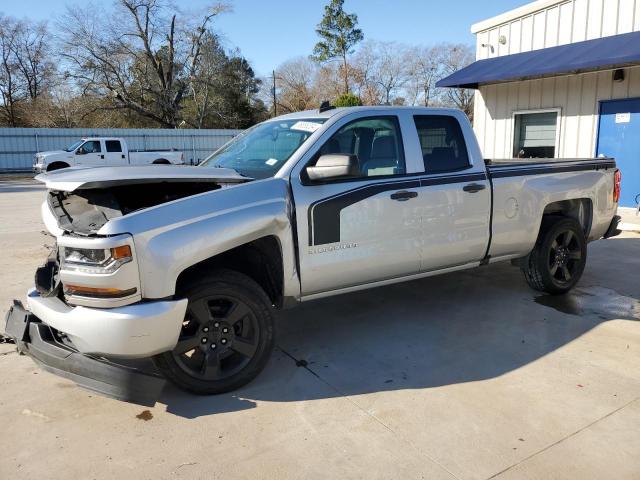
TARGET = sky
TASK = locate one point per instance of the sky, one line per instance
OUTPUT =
(268, 32)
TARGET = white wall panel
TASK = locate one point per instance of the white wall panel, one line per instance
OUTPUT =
(548, 92)
(634, 83)
(515, 37)
(565, 23)
(594, 19)
(580, 16)
(539, 30)
(535, 94)
(526, 43)
(587, 116)
(610, 17)
(626, 11)
(552, 27)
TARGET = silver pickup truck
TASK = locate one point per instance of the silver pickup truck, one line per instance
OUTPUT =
(186, 265)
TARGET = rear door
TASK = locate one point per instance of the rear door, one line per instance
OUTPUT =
(619, 138)
(114, 153)
(360, 230)
(454, 195)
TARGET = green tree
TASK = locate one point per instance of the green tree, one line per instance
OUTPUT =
(347, 100)
(339, 35)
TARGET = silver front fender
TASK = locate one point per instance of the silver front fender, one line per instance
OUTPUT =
(171, 237)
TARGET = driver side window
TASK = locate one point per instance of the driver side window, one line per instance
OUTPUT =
(377, 143)
(92, 146)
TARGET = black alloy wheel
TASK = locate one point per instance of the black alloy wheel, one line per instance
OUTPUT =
(226, 338)
(556, 263)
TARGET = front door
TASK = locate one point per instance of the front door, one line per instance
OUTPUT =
(90, 153)
(365, 229)
(619, 138)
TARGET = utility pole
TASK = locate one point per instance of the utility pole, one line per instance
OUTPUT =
(275, 100)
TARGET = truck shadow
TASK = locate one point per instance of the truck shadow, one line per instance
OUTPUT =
(439, 331)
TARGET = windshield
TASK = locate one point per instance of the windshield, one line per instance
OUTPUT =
(73, 146)
(262, 150)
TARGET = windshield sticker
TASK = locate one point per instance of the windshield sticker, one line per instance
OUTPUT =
(306, 126)
(271, 162)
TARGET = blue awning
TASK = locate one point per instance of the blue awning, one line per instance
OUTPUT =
(602, 53)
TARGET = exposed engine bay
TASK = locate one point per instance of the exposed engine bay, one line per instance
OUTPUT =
(86, 211)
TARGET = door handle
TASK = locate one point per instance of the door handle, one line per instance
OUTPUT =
(102, 157)
(122, 156)
(403, 196)
(473, 187)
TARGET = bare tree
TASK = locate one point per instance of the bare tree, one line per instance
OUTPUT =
(380, 71)
(138, 58)
(424, 68)
(391, 72)
(10, 87)
(456, 57)
(295, 82)
(33, 57)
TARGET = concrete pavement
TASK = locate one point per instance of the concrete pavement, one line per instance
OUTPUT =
(469, 375)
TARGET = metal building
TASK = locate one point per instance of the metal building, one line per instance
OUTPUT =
(18, 145)
(560, 78)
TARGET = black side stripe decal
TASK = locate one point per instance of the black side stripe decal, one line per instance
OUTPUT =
(515, 171)
(324, 215)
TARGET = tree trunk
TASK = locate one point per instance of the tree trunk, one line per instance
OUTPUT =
(346, 73)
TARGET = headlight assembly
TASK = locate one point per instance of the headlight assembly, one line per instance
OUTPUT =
(98, 261)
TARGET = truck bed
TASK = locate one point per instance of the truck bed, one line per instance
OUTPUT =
(500, 168)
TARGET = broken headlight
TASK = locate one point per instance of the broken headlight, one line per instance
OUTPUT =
(98, 261)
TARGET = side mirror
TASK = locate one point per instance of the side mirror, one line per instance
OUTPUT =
(334, 166)
(80, 151)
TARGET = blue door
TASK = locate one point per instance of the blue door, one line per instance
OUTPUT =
(619, 137)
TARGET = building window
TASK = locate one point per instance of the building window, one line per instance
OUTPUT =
(535, 135)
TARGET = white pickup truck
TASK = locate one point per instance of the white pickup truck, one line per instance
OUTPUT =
(186, 265)
(101, 151)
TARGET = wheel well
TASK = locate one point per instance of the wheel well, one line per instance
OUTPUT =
(580, 209)
(161, 161)
(261, 260)
(57, 166)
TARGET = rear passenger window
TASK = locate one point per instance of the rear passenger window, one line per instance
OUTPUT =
(113, 146)
(375, 140)
(442, 143)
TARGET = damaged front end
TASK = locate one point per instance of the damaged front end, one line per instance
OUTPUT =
(86, 319)
(55, 354)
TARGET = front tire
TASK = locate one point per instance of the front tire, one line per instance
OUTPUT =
(559, 257)
(227, 335)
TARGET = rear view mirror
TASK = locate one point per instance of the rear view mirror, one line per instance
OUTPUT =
(334, 166)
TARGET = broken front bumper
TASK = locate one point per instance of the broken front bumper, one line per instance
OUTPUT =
(46, 347)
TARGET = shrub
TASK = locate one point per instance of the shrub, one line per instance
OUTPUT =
(348, 100)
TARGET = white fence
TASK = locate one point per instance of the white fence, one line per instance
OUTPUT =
(18, 145)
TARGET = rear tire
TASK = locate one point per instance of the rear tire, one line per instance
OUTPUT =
(161, 161)
(559, 257)
(227, 336)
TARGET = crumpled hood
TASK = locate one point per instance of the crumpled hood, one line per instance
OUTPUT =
(88, 177)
